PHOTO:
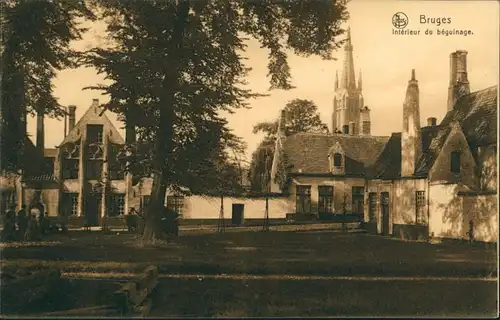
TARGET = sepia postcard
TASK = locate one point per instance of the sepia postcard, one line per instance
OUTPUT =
(249, 158)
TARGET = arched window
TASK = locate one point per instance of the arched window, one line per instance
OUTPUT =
(337, 160)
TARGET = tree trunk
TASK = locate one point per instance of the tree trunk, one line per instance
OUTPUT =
(164, 137)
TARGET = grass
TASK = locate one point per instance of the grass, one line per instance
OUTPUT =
(271, 298)
(304, 252)
(316, 253)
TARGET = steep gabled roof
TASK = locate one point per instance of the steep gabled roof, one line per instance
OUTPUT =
(433, 139)
(477, 115)
(32, 159)
(308, 153)
(34, 163)
(93, 115)
(388, 164)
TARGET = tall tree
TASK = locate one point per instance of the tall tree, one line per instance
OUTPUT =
(301, 116)
(35, 44)
(179, 63)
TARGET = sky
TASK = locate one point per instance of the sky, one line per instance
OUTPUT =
(385, 60)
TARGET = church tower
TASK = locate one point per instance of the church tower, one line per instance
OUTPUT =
(411, 143)
(348, 102)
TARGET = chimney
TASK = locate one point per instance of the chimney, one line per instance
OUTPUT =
(95, 102)
(40, 130)
(365, 121)
(411, 143)
(345, 129)
(71, 118)
(351, 128)
(431, 122)
(459, 83)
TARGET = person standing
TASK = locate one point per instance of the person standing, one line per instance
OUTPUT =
(22, 222)
(471, 231)
(131, 218)
(33, 232)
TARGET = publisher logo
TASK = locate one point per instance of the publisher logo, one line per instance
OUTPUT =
(400, 20)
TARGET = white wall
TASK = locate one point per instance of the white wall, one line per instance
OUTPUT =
(404, 201)
(450, 214)
(446, 214)
(198, 207)
(484, 212)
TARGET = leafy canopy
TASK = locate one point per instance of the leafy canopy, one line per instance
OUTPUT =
(208, 71)
(301, 116)
(35, 45)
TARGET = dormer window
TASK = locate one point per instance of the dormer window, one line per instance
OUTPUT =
(455, 162)
(337, 160)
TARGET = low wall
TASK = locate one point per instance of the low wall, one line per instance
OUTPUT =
(208, 208)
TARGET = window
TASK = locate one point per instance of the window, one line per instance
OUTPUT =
(358, 199)
(325, 203)
(455, 162)
(420, 207)
(116, 163)
(345, 129)
(372, 206)
(337, 160)
(71, 167)
(94, 133)
(49, 165)
(116, 205)
(71, 201)
(175, 203)
(94, 169)
(303, 199)
(116, 170)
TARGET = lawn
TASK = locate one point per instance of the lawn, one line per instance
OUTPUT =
(273, 273)
(274, 298)
(307, 252)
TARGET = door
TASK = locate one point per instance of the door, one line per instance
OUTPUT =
(237, 215)
(93, 208)
(384, 207)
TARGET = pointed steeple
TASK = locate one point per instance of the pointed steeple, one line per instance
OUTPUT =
(348, 76)
(336, 80)
(360, 82)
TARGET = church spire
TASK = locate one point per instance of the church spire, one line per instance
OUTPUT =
(360, 82)
(336, 80)
(348, 76)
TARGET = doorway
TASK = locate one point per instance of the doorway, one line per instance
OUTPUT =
(384, 207)
(237, 214)
(93, 208)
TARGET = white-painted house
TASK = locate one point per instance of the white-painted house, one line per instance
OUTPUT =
(421, 182)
